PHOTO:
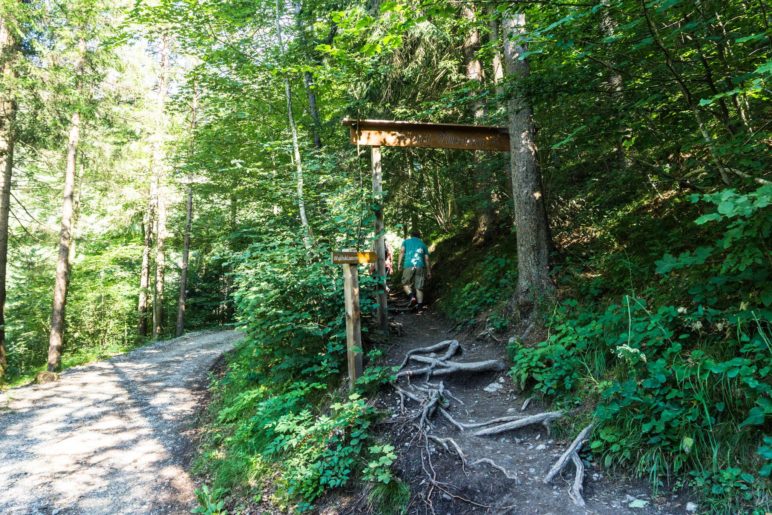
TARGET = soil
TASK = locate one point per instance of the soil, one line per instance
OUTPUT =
(526, 454)
(110, 437)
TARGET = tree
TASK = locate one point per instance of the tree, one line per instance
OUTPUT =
(474, 73)
(7, 142)
(294, 132)
(534, 286)
(182, 300)
(158, 171)
(63, 263)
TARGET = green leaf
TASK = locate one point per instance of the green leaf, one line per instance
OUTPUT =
(755, 417)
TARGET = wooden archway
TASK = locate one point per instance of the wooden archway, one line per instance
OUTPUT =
(392, 133)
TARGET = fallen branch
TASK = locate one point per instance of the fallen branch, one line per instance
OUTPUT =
(526, 403)
(540, 418)
(573, 448)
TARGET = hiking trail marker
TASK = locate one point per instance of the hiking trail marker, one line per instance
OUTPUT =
(350, 261)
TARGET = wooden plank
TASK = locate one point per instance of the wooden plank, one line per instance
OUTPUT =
(380, 243)
(430, 135)
(353, 323)
(352, 257)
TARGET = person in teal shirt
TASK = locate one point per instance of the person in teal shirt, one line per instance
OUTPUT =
(416, 268)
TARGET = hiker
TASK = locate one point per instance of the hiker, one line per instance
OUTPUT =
(414, 260)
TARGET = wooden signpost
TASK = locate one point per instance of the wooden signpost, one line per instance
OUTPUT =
(350, 261)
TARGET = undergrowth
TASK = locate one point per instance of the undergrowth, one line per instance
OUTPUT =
(283, 430)
(670, 355)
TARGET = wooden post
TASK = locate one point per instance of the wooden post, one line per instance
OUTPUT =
(353, 323)
(380, 243)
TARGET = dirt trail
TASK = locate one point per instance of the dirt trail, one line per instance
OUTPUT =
(111, 437)
(526, 454)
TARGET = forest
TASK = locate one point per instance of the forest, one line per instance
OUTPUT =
(172, 166)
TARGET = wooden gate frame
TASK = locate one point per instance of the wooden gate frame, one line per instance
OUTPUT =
(393, 133)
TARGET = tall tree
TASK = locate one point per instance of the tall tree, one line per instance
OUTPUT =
(148, 224)
(474, 73)
(614, 83)
(294, 132)
(182, 300)
(308, 80)
(159, 178)
(62, 280)
(534, 286)
(7, 141)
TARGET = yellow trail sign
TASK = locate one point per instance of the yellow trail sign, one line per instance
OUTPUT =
(353, 258)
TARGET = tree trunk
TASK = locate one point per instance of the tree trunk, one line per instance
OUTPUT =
(615, 86)
(144, 276)
(534, 287)
(295, 144)
(182, 301)
(7, 140)
(185, 259)
(308, 81)
(56, 338)
(160, 264)
(474, 72)
(159, 171)
(496, 61)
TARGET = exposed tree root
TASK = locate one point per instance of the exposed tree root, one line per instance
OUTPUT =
(577, 489)
(434, 399)
(526, 403)
(572, 453)
(501, 469)
(573, 448)
(451, 347)
(540, 418)
(445, 442)
(439, 367)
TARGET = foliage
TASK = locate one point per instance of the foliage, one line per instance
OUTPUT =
(646, 113)
(483, 283)
(677, 389)
(209, 502)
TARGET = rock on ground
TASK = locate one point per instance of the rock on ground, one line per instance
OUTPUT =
(111, 437)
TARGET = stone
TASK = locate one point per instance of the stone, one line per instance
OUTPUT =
(493, 387)
(691, 507)
(541, 447)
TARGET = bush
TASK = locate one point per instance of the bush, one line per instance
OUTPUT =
(679, 390)
(280, 415)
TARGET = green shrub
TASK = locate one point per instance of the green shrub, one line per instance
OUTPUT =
(679, 390)
(280, 416)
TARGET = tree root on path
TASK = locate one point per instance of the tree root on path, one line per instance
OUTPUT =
(441, 365)
(501, 469)
(572, 453)
(434, 399)
(519, 422)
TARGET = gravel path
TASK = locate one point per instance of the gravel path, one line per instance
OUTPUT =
(112, 437)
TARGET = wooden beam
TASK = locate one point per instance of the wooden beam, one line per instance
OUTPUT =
(390, 133)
